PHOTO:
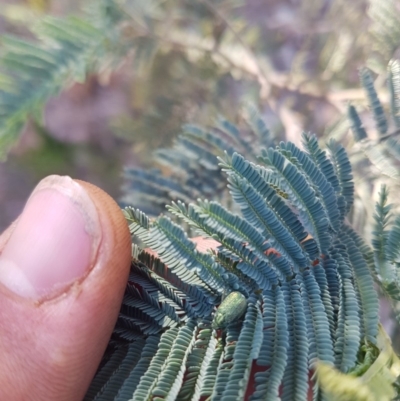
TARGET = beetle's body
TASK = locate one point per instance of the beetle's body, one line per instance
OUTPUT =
(231, 309)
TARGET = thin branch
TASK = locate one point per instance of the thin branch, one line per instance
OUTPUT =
(260, 73)
(144, 32)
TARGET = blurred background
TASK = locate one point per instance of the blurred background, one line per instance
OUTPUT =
(180, 61)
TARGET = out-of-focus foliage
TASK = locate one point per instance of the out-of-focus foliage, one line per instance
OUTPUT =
(32, 73)
(372, 385)
(385, 17)
(180, 177)
(376, 129)
(189, 59)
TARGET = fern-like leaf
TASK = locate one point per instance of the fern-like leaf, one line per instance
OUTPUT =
(321, 278)
(363, 280)
(110, 389)
(321, 345)
(394, 89)
(109, 368)
(348, 334)
(173, 246)
(343, 171)
(265, 184)
(258, 125)
(356, 124)
(275, 344)
(209, 138)
(33, 72)
(295, 379)
(233, 132)
(256, 211)
(198, 363)
(171, 376)
(252, 263)
(226, 361)
(149, 351)
(186, 294)
(374, 102)
(318, 181)
(290, 244)
(246, 350)
(380, 232)
(149, 379)
(313, 215)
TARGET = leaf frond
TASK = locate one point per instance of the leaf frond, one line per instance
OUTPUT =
(374, 102)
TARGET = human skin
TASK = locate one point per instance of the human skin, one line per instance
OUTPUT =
(64, 265)
(62, 278)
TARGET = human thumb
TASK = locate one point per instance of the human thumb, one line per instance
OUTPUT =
(63, 269)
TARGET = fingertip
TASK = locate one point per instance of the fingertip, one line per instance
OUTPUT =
(63, 337)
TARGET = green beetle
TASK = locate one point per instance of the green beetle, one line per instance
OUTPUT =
(231, 309)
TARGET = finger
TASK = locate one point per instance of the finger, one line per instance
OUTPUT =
(63, 269)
